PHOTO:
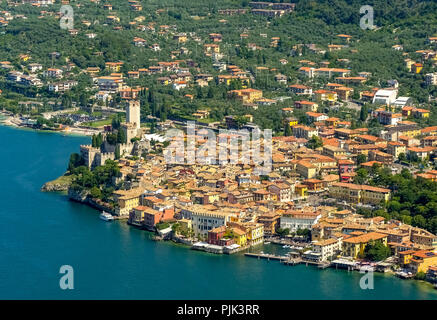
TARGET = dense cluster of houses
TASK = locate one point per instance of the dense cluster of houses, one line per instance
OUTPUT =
(229, 208)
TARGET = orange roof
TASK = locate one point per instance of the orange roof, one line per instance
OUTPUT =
(365, 237)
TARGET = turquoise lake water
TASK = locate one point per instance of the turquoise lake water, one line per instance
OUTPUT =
(40, 232)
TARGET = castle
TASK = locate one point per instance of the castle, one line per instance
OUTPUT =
(94, 157)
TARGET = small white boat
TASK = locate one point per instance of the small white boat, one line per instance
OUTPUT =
(286, 246)
(106, 216)
(267, 242)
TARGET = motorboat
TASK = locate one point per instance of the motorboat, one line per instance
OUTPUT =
(106, 216)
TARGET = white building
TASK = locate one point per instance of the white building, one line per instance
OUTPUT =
(431, 79)
(327, 248)
(109, 84)
(62, 86)
(53, 73)
(283, 191)
(402, 102)
(179, 85)
(33, 67)
(324, 250)
(295, 220)
(385, 96)
(102, 95)
(205, 220)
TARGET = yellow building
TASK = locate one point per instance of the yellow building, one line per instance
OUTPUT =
(354, 247)
(306, 169)
(213, 197)
(248, 95)
(301, 190)
(395, 148)
(126, 200)
(136, 218)
(239, 236)
(417, 67)
(326, 95)
(254, 233)
(181, 38)
(211, 48)
(422, 260)
(333, 151)
(24, 57)
(114, 66)
(344, 93)
(409, 64)
(292, 121)
(421, 113)
(405, 257)
(355, 193)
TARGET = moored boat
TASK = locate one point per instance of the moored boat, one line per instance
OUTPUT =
(106, 216)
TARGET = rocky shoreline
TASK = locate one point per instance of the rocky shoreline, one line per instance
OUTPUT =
(60, 184)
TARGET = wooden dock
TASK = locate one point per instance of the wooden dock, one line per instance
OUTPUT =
(266, 256)
(287, 260)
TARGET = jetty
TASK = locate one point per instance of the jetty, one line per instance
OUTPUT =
(344, 264)
(266, 256)
(292, 261)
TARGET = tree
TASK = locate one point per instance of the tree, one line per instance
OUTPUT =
(117, 151)
(95, 192)
(121, 136)
(287, 131)
(361, 176)
(111, 138)
(199, 93)
(94, 141)
(315, 142)
(283, 232)
(406, 218)
(376, 251)
(75, 161)
(364, 112)
(361, 158)
(420, 275)
(419, 221)
(176, 228)
(116, 122)
(241, 121)
(402, 157)
(210, 93)
(303, 232)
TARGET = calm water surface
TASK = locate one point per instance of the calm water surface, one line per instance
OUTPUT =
(39, 232)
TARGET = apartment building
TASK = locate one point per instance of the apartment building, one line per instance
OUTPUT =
(295, 220)
(355, 194)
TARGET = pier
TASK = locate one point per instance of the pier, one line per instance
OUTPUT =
(292, 261)
(266, 256)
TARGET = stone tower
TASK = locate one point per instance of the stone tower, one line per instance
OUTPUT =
(133, 113)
